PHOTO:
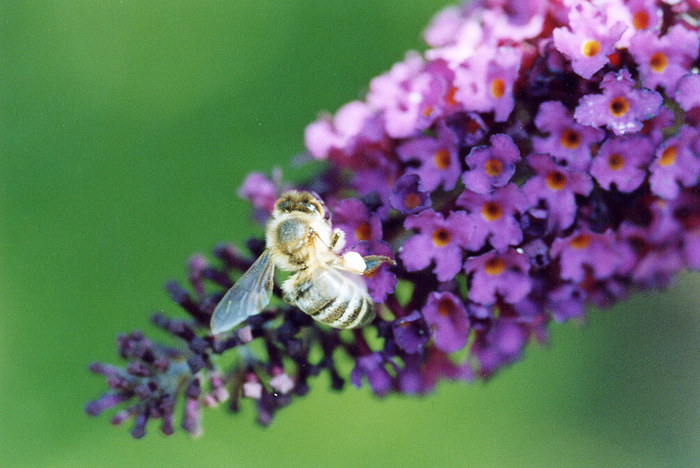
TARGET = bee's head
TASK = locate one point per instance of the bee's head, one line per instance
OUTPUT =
(304, 202)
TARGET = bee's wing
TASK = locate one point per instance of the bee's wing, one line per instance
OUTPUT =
(247, 297)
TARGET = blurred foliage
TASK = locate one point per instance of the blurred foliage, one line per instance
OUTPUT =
(125, 130)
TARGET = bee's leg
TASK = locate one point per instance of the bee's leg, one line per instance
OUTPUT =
(288, 288)
(293, 289)
(372, 262)
(337, 240)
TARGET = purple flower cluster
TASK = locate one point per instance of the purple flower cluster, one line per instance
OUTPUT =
(540, 156)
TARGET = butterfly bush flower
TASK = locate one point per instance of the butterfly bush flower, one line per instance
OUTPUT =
(373, 367)
(664, 60)
(502, 344)
(557, 187)
(495, 275)
(622, 161)
(491, 166)
(585, 252)
(409, 95)
(688, 92)
(676, 163)
(380, 282)
(569, 142)
(407, 197)
(539, 157)
(411, 333)
(493, 216)
(589, 38)
(446, 316)
(354, 218)
(637, 15)
(485, 81)
(437, 159)
(338, 136)
(438, 240)
(620, 107)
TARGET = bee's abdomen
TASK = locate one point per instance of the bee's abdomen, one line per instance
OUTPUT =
(336, 298)
(342, 313)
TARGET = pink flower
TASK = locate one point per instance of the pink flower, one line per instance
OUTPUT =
(664, 60)
(620, 107)
(589, 39)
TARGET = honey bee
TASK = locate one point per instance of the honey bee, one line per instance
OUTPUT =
(325, 285)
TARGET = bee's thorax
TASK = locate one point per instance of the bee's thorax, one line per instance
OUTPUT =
(298, 239)
(292, 234)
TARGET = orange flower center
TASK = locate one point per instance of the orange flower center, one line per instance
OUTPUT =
(494, 266)
(427, 111)
(619, 106)
(411, 201)
(441, 237)
(616, 161)
(450, 96)
(556, 180)
(472, 126)
(615, 59)
(363, 232)
(570, 139)
(493, 167)
(581, 241)
(445, 307)
(491, 211)
(658, 62)
(590, 48)
(668, 156)
(442, 159)
(640, 20)
(498, 88)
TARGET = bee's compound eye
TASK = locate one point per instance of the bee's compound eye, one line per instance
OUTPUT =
(318, 207)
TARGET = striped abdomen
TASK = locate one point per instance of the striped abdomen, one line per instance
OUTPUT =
(335, 297)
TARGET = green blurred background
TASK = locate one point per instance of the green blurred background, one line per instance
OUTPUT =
(125, 130)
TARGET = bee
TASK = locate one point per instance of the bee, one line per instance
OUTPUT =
(327, 286)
